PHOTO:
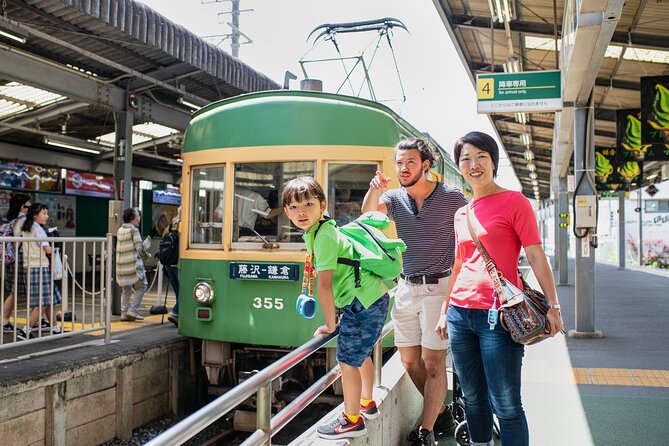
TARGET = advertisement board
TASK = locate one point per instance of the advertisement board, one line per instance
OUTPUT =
(655, 110)
(29, 177)
(89, 184)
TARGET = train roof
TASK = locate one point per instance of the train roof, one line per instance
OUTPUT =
(349, 121)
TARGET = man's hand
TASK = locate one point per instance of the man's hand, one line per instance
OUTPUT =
(380, 181)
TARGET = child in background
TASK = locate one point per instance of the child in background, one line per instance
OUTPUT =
(363, 309)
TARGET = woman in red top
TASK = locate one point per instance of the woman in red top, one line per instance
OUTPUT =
(487, 360)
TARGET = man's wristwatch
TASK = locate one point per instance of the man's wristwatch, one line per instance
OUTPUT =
(555, 306)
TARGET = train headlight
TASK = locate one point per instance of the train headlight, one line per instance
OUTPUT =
(203, 293)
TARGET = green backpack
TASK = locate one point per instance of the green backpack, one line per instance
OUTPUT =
(374, 251)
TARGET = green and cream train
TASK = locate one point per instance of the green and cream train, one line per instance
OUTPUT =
(241, 260)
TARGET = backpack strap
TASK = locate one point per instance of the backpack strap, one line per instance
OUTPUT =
(376, 240)
(355, 263)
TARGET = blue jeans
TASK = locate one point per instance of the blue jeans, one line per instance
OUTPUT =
(488, 364)
(172, 273)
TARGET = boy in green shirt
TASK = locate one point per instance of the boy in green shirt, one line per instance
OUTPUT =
(364, 309)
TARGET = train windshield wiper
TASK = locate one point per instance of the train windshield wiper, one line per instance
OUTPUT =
(266, 243)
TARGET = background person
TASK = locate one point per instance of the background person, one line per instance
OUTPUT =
(130, 274)
(423, 212)
(172, 271)
(39, 274)
(249, 205)
(18, 207)
(487, 360)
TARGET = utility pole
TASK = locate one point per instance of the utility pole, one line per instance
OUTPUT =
(235, 33)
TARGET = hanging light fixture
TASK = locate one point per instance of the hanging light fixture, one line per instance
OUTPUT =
(526, 138)
(531, 167)
(528, 154)
(502, 10)
(521, 118)
(533, 175)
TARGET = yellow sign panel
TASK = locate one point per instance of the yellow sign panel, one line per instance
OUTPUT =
(486, 88)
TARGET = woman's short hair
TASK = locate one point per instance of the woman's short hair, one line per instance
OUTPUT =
(129, 214)
(300, 189)
(481, 141)
(422, 145)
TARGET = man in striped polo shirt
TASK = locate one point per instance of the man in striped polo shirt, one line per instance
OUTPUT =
(423, 212)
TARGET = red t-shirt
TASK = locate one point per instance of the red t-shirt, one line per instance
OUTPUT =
(503, 223)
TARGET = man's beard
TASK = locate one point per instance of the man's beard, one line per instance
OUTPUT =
(412, 181)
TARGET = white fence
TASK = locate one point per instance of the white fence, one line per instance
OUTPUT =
(44, 300)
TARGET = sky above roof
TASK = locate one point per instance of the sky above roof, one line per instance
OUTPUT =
(440, 98)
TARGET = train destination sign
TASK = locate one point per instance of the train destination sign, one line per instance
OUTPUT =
(264, 271)
(528, 91)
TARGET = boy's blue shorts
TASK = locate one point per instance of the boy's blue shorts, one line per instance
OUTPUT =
(359, 329)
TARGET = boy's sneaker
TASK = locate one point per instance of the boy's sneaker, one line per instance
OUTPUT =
(370, 411)
(174, 318)
(445, 424)
(8, 327)
(342, 427)
(424, 437)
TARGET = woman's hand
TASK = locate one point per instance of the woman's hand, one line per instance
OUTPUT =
(441, 324)
(555, 318)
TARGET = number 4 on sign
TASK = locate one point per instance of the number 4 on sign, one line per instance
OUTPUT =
(486, 88)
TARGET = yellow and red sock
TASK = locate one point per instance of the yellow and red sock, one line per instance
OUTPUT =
(352, 418)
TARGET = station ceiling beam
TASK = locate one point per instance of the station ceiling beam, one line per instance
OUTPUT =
(33, 71)
(546, 30)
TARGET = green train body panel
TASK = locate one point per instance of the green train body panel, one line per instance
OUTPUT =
(294, 118)
(233, 315)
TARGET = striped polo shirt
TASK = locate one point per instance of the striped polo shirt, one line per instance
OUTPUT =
(428, 233)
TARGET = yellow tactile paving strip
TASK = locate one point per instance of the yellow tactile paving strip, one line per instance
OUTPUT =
(116, 326)
(622, 377)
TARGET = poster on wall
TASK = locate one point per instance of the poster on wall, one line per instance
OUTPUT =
(655, 110)
(612, 174)
(629, 140)
(29, 177)
(62, 212)
(161, 218)
(170, 195)
(89, 184)
(5, 196)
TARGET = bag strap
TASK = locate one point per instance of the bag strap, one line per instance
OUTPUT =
(376, 240)
(494, 273)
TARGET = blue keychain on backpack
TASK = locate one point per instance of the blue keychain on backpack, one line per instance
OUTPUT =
(305, 304)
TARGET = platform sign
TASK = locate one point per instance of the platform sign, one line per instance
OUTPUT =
(264, 271)
(529, 91)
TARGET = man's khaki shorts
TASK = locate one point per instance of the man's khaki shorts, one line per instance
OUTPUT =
(416, 313)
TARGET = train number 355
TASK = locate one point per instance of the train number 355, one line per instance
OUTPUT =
(268, 303)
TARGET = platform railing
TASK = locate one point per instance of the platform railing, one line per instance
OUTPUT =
(83, 283)
(261, 385)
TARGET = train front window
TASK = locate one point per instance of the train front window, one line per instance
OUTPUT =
(207, 206)
(258, 220)
(347, 184)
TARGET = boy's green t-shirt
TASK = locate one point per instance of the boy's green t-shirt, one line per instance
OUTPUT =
(329, 245)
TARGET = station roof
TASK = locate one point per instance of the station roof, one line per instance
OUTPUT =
(639, 46)
(66, 65)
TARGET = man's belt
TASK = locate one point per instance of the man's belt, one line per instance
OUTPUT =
(424, 279)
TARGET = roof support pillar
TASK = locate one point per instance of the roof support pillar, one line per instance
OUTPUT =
(621, 229)
(584, 271)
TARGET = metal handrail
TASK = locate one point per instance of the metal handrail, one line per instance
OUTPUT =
(261, 384)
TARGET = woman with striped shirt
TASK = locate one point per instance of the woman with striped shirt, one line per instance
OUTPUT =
(130, 274)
